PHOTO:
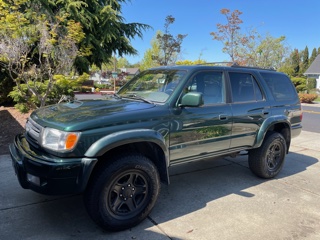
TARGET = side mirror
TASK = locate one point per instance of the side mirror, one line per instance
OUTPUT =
(191, 99)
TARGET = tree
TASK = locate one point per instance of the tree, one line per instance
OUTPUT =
(149, 59)
(249, 48)
(229, 34)
(106, 32)
(169, 46)
(35, 49)
(295, 60)
(271, 52)
(305, 60)
(188, 62)
(313, 55)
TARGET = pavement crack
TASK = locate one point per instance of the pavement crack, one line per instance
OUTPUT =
(160, 228)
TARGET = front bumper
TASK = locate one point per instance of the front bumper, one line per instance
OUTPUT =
(47, 174)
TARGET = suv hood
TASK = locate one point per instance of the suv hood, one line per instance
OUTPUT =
(75, 115)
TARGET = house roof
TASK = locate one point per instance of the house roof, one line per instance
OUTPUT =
(314, 67)
(130, 71)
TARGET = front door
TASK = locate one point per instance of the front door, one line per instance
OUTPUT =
(198, 132)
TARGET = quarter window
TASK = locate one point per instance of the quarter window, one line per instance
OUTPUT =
(280, 86)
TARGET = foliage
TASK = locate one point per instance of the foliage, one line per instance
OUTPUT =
(63, 86)
(313, 55)
(229, 34)
(271, 52)
(295, 61)
(101, 86)
(311, 83)
(106, 32)
(307, 97)
(249, 48)
(169, 46)
(149, 60)
(305, 60)
(299, 83)
(35, 49)
(189, 62)
(6, 85)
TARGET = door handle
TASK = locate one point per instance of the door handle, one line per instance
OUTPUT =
(223, 117)
(265, 112)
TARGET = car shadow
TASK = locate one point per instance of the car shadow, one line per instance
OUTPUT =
(9, 128)
(194, 187)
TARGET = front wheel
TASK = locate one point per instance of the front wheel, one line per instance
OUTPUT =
(123, 192)
(267, 160)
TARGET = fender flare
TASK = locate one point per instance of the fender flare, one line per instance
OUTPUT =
(117, 139)
(266, 125)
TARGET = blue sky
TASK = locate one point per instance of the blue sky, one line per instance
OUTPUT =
(297, 20)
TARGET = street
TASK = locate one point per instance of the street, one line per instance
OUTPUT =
(311, 118)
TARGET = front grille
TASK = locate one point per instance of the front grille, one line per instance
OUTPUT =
(33, 132)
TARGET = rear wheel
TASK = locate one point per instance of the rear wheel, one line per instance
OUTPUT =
(267, 160)
(123, 192)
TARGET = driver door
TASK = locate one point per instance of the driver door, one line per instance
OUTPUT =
(204, 131)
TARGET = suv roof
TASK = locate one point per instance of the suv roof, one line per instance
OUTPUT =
(207, 66)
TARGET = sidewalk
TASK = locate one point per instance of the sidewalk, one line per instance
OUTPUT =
(218, 199)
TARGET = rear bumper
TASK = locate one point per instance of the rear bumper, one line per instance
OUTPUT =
(47, 174)
(296, 130)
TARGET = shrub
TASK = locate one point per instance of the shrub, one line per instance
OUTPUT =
(299, 83)
(63, 86)
(6, 86)
(311, 83)
(307, 97)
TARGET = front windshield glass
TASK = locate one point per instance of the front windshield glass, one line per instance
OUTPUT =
(152, 85)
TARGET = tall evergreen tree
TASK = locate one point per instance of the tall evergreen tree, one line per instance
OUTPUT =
(305, 59)
(106, 32)
(295, 60)
(313, 55)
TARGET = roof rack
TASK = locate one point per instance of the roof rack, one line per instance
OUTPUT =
(260, 68)
(218, 63)
(235, 65)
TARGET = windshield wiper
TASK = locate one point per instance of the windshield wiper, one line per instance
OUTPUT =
(116, 95)
(137, 97)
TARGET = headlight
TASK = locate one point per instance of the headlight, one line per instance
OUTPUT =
(59, 140)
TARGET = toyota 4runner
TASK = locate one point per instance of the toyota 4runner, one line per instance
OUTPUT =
(118, 150)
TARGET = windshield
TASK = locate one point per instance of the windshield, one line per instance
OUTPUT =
(152, 85)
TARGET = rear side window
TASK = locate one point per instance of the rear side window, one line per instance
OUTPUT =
(244, 87)
(280, 86)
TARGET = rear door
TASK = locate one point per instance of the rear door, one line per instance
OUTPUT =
(249, 108)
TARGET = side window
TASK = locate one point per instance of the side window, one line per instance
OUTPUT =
(280, 86)
(211, 85)
(244, 87)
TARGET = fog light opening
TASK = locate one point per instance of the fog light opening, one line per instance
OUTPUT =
(33, 179)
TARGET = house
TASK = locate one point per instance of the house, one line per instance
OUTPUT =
(131, 71)
(98, 78)
(314, 70)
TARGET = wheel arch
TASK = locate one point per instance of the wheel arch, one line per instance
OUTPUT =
(147, 142)
(278, 124)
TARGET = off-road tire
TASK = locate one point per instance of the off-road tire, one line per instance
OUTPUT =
(123, 192)
(267, 160)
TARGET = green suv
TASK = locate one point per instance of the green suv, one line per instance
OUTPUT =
(118, 150)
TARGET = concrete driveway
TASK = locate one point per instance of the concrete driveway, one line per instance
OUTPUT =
(217, 199)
